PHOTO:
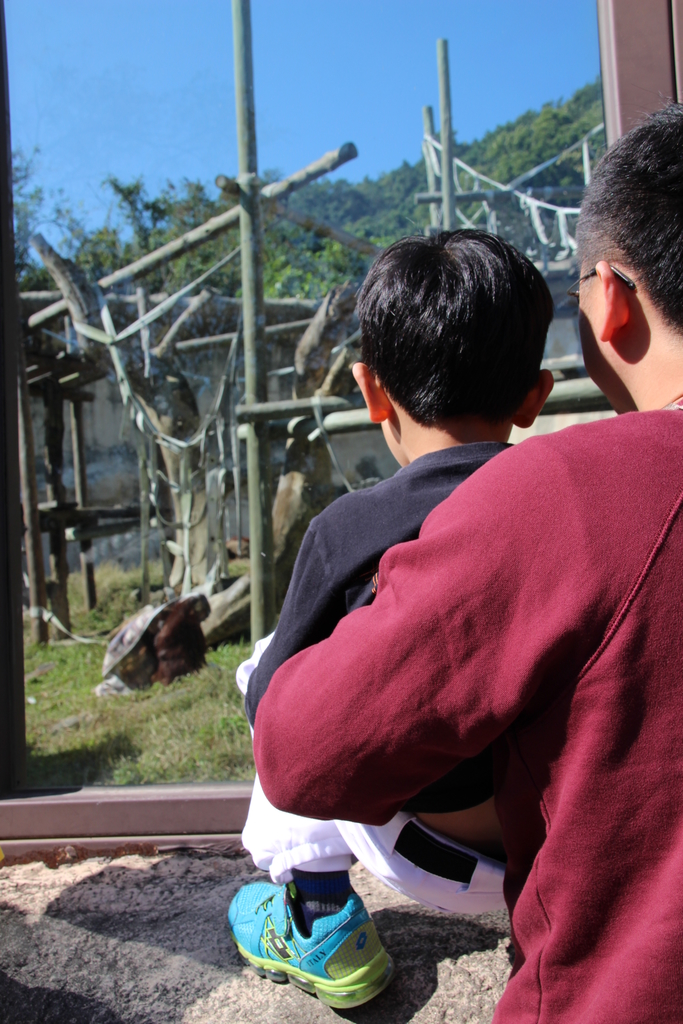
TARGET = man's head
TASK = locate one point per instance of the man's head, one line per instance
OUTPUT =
(632, 219)
(453, 328)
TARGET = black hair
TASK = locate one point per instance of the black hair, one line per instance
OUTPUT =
(454, 324)
(632, 211)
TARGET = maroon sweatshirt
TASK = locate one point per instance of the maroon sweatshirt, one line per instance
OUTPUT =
(540, 609)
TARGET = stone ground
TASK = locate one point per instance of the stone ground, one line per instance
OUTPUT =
(142, 940)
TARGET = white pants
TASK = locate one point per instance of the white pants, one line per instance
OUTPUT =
(279, 841)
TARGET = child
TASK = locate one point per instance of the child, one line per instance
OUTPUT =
(453, 333)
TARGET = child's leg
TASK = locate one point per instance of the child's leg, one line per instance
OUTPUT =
(285, 844)
(309, 852)
(280, 843)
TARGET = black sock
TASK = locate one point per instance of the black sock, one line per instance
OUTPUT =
(320, 893)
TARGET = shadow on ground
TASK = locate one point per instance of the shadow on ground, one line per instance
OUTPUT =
(27, 1003)
(83, 764)
(22, 1004)
(145, 940)
(419, 941)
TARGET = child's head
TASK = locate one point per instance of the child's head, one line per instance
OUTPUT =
(454, 327)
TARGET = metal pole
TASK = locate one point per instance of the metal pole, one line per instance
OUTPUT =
(428, 125)
(447, 183)
(254, 323)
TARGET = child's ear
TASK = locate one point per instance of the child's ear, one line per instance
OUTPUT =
(379, 404)
(534, 401)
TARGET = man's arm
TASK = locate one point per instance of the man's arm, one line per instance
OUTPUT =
(499, 603)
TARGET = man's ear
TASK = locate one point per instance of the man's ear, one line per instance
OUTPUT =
(378, 402)
(534, 401)
(614, 312)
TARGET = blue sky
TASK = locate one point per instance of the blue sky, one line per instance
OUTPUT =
(145, 87)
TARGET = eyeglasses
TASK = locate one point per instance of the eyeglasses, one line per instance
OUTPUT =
(574, 290)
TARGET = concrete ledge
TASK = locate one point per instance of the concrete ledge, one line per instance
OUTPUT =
(71, 849)
(197, 809)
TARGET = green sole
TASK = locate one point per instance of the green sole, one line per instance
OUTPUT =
(337, 998)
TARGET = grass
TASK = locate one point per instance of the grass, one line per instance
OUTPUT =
(193, 730)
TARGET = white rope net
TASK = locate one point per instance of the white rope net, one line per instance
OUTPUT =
(208, 439)
(545, 219)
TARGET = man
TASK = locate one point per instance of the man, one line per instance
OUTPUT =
(540, 610)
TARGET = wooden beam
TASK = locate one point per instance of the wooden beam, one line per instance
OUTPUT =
(222, 222)
(275, 330)
(253, 322)
(328, 162)
(59, 567)
(47, 313)
(29, 489)
(578, 395)
(175, 808)
(428, 126)
(86, 533)
(319, 227)
(447, 182)
(193, 306)
(81, 489)
(212, 228)
(263, 412)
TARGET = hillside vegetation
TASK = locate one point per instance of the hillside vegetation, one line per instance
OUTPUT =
(297, 263)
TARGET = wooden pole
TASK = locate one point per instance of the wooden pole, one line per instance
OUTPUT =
(254, 322)
(319, 227)
(196, 303)
(141, 299)
(447, 183)
(428, 125)
(59, 566)
(144, 517)
(81, 489)
(29, 491)
(586, 158)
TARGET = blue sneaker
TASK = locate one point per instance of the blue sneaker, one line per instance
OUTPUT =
(343, 961)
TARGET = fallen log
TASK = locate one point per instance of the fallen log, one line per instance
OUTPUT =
(332, 324)
(230, 613)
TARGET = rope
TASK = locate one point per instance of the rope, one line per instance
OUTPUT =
(108, 338)
(145, 426)
(37, 612)
(317, 412)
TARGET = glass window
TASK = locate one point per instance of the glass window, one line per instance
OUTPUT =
(139, 582)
